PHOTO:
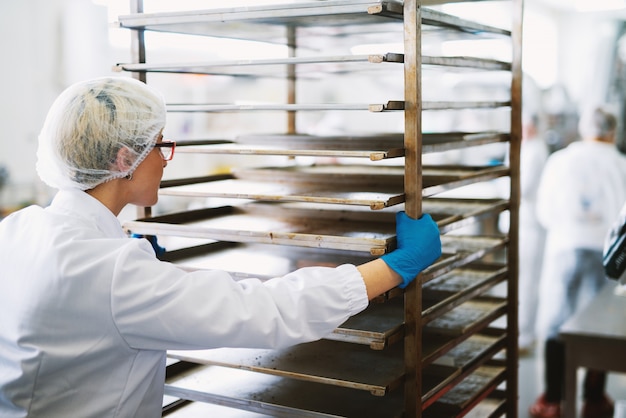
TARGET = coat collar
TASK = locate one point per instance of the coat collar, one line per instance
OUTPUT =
(81, 205)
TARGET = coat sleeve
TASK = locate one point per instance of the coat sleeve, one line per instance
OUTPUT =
(157, 305)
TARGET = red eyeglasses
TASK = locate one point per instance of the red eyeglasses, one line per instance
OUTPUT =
(166, 148)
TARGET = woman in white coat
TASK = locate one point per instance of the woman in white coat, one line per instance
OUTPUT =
(87, 312)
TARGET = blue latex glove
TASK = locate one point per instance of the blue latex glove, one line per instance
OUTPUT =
(418, 246)
(152, 239)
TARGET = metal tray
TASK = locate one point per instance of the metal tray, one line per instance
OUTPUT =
(275, 396)
(389, 106)
(278, 224)
(463, 353)
(454, 288)
(318, 67)
(467, 318)
(346, 366)
(361, 185)
(372, 147)
(381, 324)
(466, 357)
(328, 362)
(267, 261)
(342, 364)
(267, 23)
(309, 225)
(468, 392)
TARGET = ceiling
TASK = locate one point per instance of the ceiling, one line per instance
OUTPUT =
(611, 9)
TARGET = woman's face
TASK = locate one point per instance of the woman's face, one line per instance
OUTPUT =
(147, 177)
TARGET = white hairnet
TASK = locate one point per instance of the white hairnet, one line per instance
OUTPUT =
(87, 126)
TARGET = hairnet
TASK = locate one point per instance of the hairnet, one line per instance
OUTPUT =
(89, 123)
(597, 122)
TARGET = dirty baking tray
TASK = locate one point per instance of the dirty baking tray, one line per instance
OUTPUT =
(276, 396)
(309, 225)
(452, 289)
(381, 323)
(329, 362)
(466, 358)
(333, 364)
(372, 147)
(471, 390)
(464, 351)
(362, 185)
(471, 316)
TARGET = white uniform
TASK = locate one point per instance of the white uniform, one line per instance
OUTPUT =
(88, 313)
(581, 193)
(532, 236)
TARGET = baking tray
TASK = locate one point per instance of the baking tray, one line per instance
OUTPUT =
(325, 363)
(462, 353)
(454, 288)
(309, 225)
(361, 185)
(315, 67)
(466, 357)
(265, 261)
(262, 395)
(265, 22)
(372, 147)
(469, 317)
(474, 388)
(389, 106)
(278, 224)
(381, 324)
(329, 362)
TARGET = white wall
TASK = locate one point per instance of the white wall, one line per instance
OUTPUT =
(569, 48)
(45, 45)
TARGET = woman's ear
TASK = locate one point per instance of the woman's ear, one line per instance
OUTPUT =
(124, 160)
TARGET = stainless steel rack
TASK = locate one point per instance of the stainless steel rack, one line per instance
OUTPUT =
(443, 347)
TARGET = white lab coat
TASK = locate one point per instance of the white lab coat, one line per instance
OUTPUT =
(88, 313)
(582, 189)
(580, 195)
(532, 236)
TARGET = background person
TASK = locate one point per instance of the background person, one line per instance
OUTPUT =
(532, 235)
(581, 192)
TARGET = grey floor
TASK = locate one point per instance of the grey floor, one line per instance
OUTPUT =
(531, 384)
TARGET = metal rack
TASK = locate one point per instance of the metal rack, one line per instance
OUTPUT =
(445, 346)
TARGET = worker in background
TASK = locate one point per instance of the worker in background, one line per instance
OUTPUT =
(88, 313)
(532, 235)
(580, 194)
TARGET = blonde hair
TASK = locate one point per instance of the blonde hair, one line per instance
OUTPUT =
(87, 126)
